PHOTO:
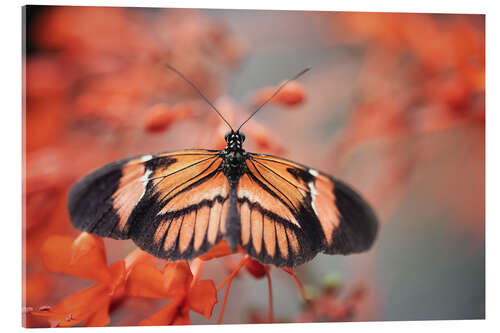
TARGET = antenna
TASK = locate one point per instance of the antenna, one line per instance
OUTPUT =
(198, 91)
(274, 94)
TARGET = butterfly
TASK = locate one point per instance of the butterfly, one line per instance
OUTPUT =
(178, 205)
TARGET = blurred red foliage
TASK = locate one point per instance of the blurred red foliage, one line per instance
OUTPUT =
(422, 75)
(97, 90)
(160, 116)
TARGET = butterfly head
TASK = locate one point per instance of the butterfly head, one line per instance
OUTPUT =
(234, 140)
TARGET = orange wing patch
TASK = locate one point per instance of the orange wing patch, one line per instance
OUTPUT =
(265, 238)
(131, 189)
(277, 178)
(255, 194)
(282, 240)
(245, 215)
(173, 232)
(202, 220)
(216, 186)
(256, 228)
(160, 231)
(199, 207)
(322, 202)
(187, 231)
(214, 221)
(171, 181)
(269, 236)
(191, 230)
(223, 217)
(292, 240)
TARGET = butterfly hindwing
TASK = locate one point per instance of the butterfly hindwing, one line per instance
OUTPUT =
(171, 204)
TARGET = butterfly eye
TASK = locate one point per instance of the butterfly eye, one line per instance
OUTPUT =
(226, 137)
(242, 136)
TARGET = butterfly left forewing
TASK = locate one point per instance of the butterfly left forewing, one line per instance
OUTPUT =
(170, 204)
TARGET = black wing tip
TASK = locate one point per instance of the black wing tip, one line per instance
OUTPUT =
(87, 200)
(359, 224)
(83, 185)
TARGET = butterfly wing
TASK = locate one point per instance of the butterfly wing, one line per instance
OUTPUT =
(290, 212)
(172, 205)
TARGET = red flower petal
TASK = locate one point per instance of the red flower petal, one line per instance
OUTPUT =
(256, 268)
(166, 315)
(100, 317)
(222, 249)
(177, 277)
(138, 256)
(78, 307)
(118, 277)
(203, 297)
(83, 257)
(145, 281)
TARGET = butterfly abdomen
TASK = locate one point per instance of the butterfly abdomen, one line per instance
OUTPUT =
(233, 220)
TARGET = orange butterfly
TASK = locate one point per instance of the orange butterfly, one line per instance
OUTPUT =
(178, 205)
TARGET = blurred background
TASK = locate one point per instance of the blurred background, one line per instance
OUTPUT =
(394, 105)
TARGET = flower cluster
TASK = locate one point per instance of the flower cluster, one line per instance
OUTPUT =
(135, 276)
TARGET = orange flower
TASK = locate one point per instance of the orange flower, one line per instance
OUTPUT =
(160, 117)
(84, 258)
(222, 249)
(292, 94)
(176, 282)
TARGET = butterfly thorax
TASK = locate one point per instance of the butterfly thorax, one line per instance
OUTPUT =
(234, 156)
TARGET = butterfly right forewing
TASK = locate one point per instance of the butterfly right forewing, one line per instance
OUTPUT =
(290, 212)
